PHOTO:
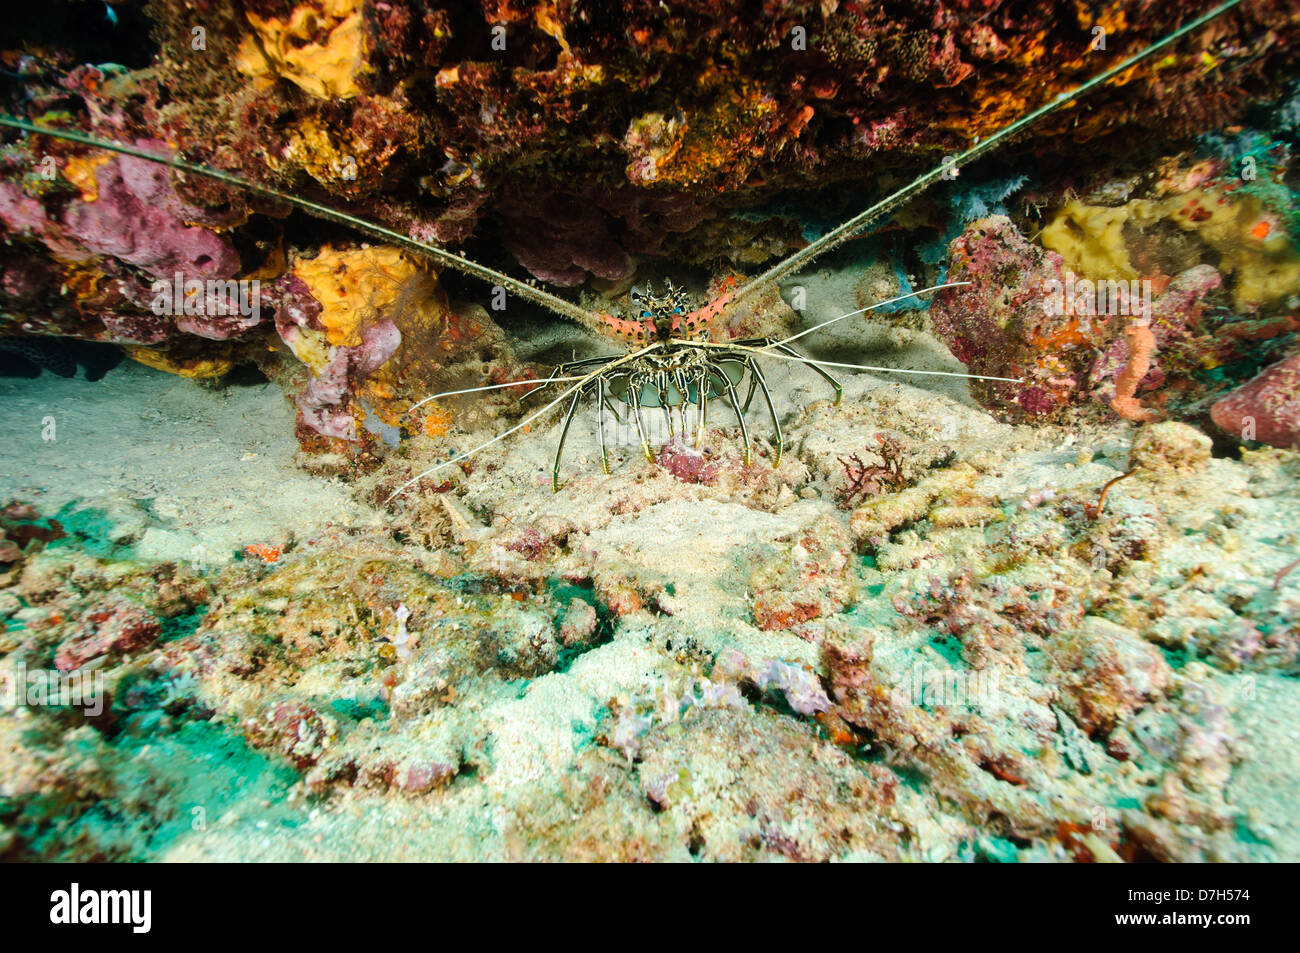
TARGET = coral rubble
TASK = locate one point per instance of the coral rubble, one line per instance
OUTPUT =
(1048, 614)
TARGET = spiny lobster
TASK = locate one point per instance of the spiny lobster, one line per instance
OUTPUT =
(671, 372)
(671, 368)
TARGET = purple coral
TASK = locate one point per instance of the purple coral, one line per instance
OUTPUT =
(686, 463)
(138, 217)
(561, 237)
(295, 307)
(323, 402)
(19, 212)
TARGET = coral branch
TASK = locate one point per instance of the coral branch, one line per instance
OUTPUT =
(1141, 345)
(1101, 500)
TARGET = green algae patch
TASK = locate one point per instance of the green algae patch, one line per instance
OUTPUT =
(998, 850)
(178, 627)
(140, 796)
(358, 709)
(88, 528)
(562, 595)
(950, 648)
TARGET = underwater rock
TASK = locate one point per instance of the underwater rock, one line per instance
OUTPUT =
(292, 729)
(717, 781)
(322, 402)
(579, 625)
(872, 522)
(998, 326)
(811, 578)
(417, 97)
(586, 664)
(927, 635)
(377, 333)
(1169, 340)
(1141, 352)
(1109, 673)
(802, 691)
(113, 626)
(1170, 446)
(23, 531)
(423, 776)
(562, 239)
(686, 463)
(128, 229)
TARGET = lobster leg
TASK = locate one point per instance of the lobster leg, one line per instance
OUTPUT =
(753, 382)
(704, 410)
(600, 424)
(683, 388)
(564, 370)
(542, 384)
(767, 396)
(740, 414)
(635, 400)
(568, 419)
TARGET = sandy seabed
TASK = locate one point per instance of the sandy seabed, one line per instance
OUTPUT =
(915, 639)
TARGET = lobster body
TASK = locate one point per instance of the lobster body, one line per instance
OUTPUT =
(672, 373)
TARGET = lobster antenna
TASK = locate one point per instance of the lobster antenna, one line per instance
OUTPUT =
(450, 259)
(878, 304)
(869, 367)
(801, 359)
(837, 236)
(476, 390)
(483, 446)
(568, 392)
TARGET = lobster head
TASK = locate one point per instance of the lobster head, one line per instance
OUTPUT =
(661, 314)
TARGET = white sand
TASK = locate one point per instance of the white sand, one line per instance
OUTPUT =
(175, 465)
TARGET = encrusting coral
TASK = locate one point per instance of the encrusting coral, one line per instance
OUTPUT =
(590, 145)
(1053, 680)
(320, 48)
